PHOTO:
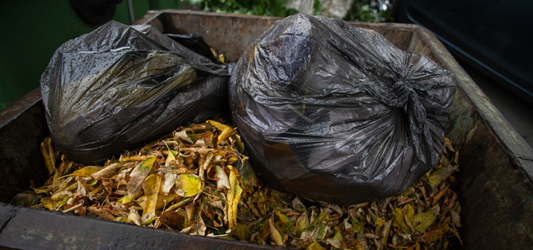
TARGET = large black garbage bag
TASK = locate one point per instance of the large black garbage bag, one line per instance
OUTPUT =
(116, 88)
(337, 113)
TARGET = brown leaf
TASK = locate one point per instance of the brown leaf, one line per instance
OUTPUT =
(436, 232)
(439, 195)
(172, 219)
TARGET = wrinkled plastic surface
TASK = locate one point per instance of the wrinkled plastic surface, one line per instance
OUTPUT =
(116, 88)
(195, 43)
(337, 113)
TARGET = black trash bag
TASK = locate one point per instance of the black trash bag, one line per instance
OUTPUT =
(337, 113)
(115, 89)
(195, 43)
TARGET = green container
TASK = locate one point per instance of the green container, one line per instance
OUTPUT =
(32, 30)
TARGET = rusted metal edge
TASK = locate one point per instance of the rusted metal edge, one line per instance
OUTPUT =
(28, 228)
(154, 14)
(12, 111)
(515, 145)
(148, 17)
(204, 13)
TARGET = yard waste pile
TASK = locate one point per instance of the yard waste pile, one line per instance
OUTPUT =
(197, 180)
(337, 113)
(116, 88)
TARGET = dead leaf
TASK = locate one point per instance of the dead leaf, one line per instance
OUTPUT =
(275, 236)
(139, 173)
(422, 221)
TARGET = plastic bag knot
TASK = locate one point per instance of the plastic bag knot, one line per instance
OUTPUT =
(403, 90)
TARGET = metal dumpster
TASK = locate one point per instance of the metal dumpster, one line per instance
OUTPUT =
(494, 183)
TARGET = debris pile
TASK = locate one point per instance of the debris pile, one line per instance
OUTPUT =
(198, 181)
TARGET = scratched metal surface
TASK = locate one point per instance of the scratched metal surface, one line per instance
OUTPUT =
(494, 185)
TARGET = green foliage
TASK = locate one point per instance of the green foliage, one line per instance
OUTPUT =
(362, 12)
(249, 7)
(317, 7)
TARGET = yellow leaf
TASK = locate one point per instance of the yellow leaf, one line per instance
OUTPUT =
(422, 221)
(48, 153)
(48, 203)
(407, 192)
(107, 171)
(163, 201)
(275, 236)
(409, 213)
(42, 190)
(285, 221)
(314, 246)
(436, 232)
(190, 184)
(234, 195)
(225, 129)
(151, 189)
(179, 204)
(377, 220)
(401, 220)
(301, 224)
(126, 199)
(138, 174)
(86, 171)
(170, 156)
(385, 231)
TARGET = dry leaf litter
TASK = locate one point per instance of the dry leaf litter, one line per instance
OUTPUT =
(198, 181)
